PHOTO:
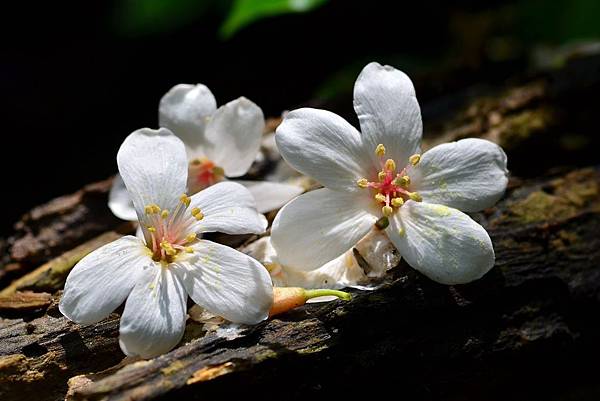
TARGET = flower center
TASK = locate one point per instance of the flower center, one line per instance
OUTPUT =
(203, 173)
(391, 187)
(168, 234)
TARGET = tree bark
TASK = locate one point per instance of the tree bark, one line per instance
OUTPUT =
(524, 331)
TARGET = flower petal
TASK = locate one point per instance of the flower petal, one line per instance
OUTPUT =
(233, 136)
(443, 243)
(388, 111)
(186, 109)
(271, 195)
(325, 147)
(468, 175)
(227, 282)
(154, 168)
(229, 208)
(319, 226)
(119, 201)
(101, 281)
(153, 321)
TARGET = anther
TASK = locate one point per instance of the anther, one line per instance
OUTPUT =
(185, 200)
(390, 165)
(415, 196)
(414, 159)
(189, 249)
(381, 176)
(195, 211)
(164, 214)
(401, 232)
(380, 198)
(199, 216)
(387, 211)
(397, 202)
(190, 238)
(380, 150)
(363, 183)
(151, 229)
(218, 171)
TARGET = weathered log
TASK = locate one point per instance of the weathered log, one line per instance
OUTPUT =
(411, 335)
(524, 331)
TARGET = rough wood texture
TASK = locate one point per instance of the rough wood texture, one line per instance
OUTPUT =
(525, 331)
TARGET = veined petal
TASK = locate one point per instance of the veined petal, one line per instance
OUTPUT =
(227, 282)
(119, 201)
(324, 146)
(319, 226)
(186, 109)
(153, 321)
(101, 281)
(233, 136)
(271, 195)
(443, 243)
(228, 207)
(154, 168)
(468, 175)
(388, 111)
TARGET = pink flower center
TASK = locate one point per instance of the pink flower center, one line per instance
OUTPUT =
(203, 173)
(392, 186)
(168, 234)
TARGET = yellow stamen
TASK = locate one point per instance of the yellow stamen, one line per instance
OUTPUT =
(151, 208)
(381, 175)
(414, 159)
(363, 183)
(397, 202)
(415, 196)
(190, 238)
(401, 232)
(189, 249)
(199, 216)
(387, 211)
(151, 229)
(218, 171)
(169, 250)
(164, 214)
(380, 198)
(390, 165)
(380, 150)
(185, 200)
(195, 211)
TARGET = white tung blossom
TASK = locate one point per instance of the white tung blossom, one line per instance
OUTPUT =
(220, 143)
(156, 274)
(378, 173)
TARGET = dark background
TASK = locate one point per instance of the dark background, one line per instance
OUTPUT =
(77, 77)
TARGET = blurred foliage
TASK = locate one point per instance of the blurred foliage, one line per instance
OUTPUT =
(245, 12)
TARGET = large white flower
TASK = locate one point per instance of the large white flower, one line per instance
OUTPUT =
(220, 143)
(378, 173)
(156, 275)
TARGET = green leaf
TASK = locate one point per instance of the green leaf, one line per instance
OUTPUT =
(245, 12)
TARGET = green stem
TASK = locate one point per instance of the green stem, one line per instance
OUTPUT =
(323, 292)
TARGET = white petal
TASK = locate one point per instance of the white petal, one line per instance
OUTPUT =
(119, 201)
(227, 282)
(229, 208)
(341, 272)
(388, 111)
(153, 321)
(101, 281)
(468, 175)
(325, 147)
(319, 226)
(154, 168)
(271, 195)
(443, 243)
(186, 109)
(233, 136)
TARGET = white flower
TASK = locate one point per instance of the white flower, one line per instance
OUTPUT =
(220, 143)
(157, 274)
(379, 173)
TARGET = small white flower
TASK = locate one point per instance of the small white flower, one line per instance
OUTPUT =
(157, 274)
(379, 173)
(220, 143)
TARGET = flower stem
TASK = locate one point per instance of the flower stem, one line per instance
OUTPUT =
(324, 292)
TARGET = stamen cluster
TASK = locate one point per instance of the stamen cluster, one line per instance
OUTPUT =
(392, 189)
